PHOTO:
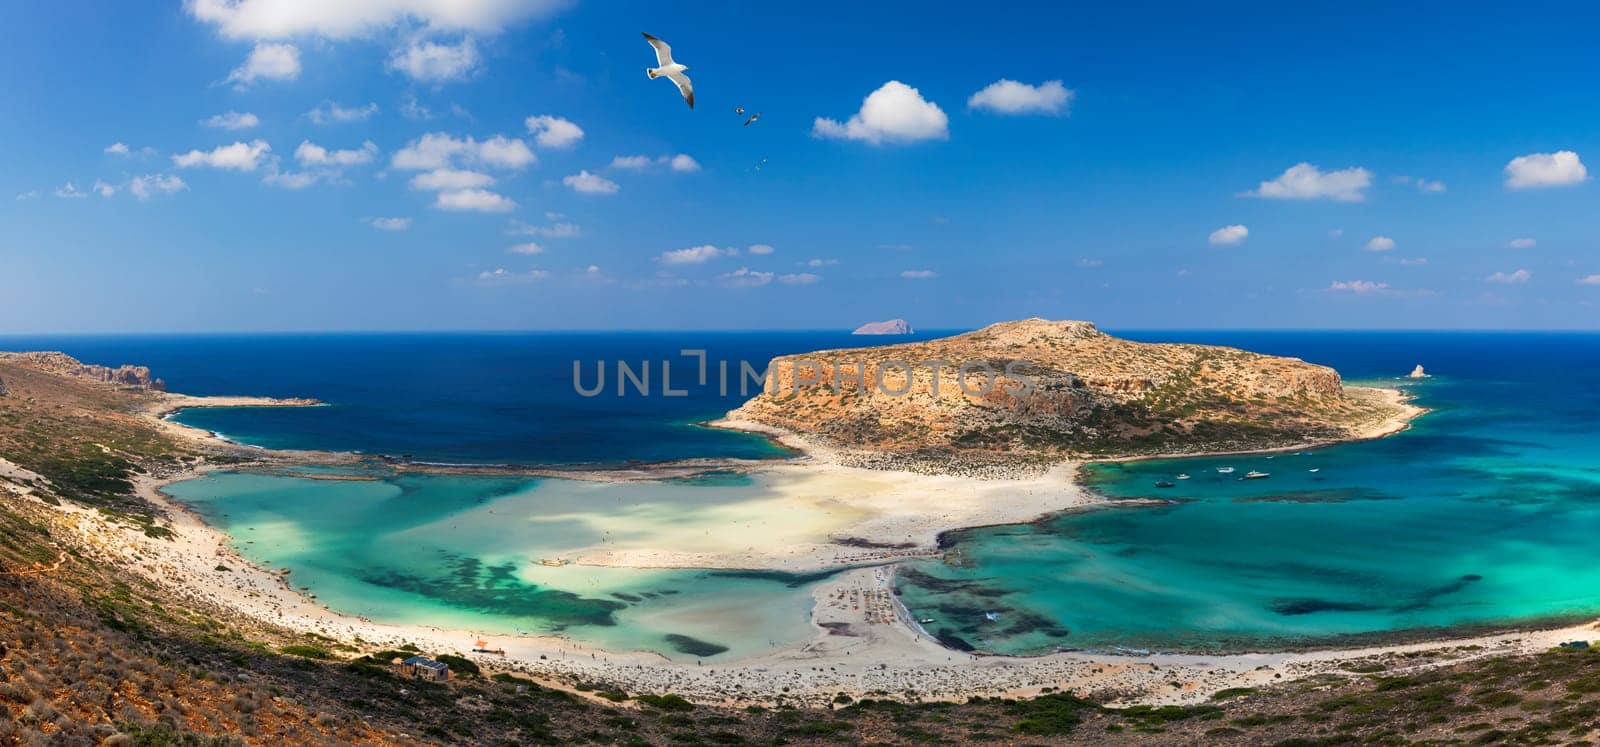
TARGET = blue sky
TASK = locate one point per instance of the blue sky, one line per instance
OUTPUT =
(1114, 194)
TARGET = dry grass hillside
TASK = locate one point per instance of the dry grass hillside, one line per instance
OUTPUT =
(1092, 394)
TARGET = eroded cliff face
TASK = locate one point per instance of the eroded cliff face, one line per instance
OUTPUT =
(137, 377)
(1057, 388)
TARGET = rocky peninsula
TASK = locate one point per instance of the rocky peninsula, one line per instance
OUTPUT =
(1038, 391)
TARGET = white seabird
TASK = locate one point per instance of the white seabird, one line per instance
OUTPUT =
(670, 70)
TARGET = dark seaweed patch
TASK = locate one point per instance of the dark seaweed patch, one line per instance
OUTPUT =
(1331, 495)
(1309, 606)
(693, 646)
(951, 640)
(496, 590)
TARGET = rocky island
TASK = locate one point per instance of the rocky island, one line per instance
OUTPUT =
(890, 327)
(1044, 391)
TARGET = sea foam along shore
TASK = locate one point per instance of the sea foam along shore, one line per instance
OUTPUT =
(862, 642)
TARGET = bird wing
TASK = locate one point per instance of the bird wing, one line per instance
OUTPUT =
(684, 87)
(752, 118)
(663, 50)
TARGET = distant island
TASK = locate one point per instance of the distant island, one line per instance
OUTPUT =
(890, 327)
(1041, 391)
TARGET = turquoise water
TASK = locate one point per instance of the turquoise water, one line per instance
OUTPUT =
(463, 553)
(1484, 515)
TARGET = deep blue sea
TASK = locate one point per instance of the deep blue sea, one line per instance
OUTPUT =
(486, 397)
(1485, 514)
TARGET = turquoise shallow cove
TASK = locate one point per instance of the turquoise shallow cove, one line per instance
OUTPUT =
(461, 553)
(1485, 515)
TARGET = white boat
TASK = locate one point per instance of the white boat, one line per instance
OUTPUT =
(1314, 469)
(991, 616)
(1254, 475)
(925, 621)
(1183, 476)
(1225, 470)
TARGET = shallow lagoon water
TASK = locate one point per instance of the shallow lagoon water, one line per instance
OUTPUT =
(464, 552)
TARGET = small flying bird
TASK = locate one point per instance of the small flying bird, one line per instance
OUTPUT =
(670, 70)
(738, 110)
(752, 118)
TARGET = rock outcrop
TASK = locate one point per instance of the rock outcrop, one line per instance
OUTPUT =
(890, 327)
(135, 377)
(1418, 373)
(1040, 388)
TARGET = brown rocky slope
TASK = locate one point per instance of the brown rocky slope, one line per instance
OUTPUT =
(1091, 394)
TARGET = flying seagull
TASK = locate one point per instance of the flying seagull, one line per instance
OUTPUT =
(752, 118)
(738, 110)
(670, 70)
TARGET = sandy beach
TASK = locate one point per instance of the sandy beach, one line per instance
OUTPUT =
(863, 643)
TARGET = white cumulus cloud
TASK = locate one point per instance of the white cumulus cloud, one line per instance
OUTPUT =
(267, 62)
(745, 277)
(1006, 96)
(1523, 243)
(1517, 277)
(691, 256)
(1229, 235)
(149, 185)
(591, 184)
(553, 132)
(1589, 280)
(1358, 287)
(439, 150)
(118, 148)
(502, 276)
(474, 200)
(239, 156)
(329, 112)
(918, 274)
(799, 278)
(1380, 244)
(760, 249)
(1559, 169)
(526, 247)
(1303, 181)
(311, 154)
(232, 120)
(390, 224)
(681, 162)
(895, 113)
(432, 62)
(341, 19)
